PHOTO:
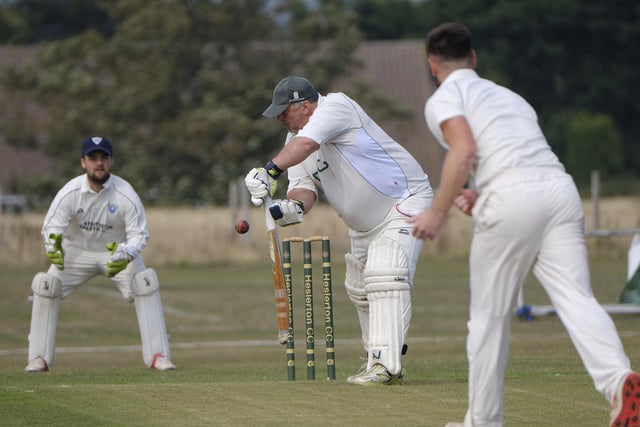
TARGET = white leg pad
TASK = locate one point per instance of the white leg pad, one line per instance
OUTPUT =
(386, 279)
(354, 285)
(47, 291)
(153, 332)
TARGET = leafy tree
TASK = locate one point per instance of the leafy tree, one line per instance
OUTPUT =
(180, 88)
(28, 21)
(561, 55)
(593, 143)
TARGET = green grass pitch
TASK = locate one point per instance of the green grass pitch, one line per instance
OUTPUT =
(231, 372)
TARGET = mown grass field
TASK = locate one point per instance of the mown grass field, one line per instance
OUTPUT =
(232, 373)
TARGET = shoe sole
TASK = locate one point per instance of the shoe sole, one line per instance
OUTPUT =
(630, 406)
(392, 381)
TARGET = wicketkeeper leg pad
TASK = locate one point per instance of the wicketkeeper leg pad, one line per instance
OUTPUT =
(386, 279)
(354, 285)
(47, 292)
(153, 332)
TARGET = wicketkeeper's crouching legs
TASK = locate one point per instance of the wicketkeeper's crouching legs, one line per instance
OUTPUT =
(153, 332)
(47, 292)
(145, 290)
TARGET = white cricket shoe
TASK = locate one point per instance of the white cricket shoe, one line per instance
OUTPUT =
(378, 374)
(37, 364)
(454, 425)
(162, 363)
(361, 369)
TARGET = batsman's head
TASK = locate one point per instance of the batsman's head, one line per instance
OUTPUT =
(97, 143)
(290, 90)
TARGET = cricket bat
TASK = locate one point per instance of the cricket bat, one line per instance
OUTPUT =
(282, 303)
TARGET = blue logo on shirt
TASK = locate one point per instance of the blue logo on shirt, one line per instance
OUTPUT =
(112, 208)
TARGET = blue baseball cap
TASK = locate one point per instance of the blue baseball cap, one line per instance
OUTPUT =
(97, 143)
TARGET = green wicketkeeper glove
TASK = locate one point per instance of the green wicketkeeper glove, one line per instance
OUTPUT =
(54, 250)
(118, 260)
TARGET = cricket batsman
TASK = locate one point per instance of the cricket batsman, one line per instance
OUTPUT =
(375, 185)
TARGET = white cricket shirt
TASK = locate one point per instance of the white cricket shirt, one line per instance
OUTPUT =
(362, 171)
(504, 125)
(89, 220)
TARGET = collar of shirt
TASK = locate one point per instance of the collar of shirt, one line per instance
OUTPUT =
(461, 74)
(87, 189)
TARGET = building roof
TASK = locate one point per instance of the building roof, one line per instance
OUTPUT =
(399, 70)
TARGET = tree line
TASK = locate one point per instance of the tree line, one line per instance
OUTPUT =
(180, 85)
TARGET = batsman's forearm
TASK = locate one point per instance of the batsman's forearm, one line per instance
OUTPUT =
(306, 196)
(298, 149)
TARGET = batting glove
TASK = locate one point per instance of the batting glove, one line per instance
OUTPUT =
(118, 260)
(54, 251)
(262, 182)
(287, 212)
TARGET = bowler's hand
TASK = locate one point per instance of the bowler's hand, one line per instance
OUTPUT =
(466, 200)
(427, 224)
(118, 260)
(54, 251)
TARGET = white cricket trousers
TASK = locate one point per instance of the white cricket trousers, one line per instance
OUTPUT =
(532, 219)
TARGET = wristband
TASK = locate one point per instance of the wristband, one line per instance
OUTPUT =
(273, 170)
(299, 203)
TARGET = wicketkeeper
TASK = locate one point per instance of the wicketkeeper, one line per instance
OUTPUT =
(375, 185)
(96, 225)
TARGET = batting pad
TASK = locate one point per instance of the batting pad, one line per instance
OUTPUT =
(386, 279)
(47, 291)
(153, 332)
(354, 285)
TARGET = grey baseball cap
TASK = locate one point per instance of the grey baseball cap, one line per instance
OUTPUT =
(290, 90)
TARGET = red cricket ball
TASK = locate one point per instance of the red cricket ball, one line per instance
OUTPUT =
(242, 226)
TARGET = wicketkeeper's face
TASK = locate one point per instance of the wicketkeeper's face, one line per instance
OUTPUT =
(98, 165)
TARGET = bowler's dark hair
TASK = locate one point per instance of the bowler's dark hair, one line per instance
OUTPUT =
(450, 41)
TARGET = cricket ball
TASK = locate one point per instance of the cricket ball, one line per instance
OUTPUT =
(242, 226)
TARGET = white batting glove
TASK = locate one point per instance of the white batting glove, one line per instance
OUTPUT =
(260, 184)
(287, 212)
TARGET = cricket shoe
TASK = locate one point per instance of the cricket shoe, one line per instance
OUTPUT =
(454, 425)
(377, 375)
(37, 364)
(626, 403)
(162, 363)
(362, 368)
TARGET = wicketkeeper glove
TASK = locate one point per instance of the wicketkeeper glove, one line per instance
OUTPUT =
(287, 212)
(53, 246)
(118, 260)
(262, 182)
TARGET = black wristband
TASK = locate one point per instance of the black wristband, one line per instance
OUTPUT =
(273, 170)
(299, 203)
